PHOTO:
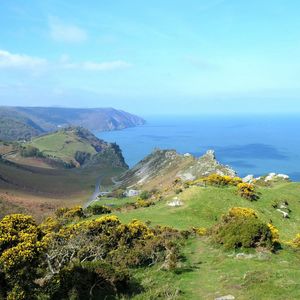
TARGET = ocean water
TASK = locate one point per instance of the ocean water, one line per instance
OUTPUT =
(250, 144)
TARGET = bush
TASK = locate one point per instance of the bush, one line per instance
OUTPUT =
(241, 228)
(119, 193)
(144, 195)
(30, 151)
(296, 241)
(247, 191)
(21, 250)
(90, 280)
(98, 209)
(143, 203)
(219, 180)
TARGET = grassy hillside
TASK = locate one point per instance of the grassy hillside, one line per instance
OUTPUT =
(40, 191)
(209, 271)
(39, 183)
(202, 207)
(69, 147)
(63, 145)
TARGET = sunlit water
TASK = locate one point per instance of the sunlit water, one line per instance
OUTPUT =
(250, 144)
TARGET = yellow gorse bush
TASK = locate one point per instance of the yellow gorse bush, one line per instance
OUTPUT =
(296, 241)
(246, 190)
(275, 232)
(20, 241)
(242, 212)
(220, 180)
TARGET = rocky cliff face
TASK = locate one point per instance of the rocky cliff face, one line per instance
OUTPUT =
(162, 166)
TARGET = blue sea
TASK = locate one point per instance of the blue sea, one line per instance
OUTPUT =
(250, 144)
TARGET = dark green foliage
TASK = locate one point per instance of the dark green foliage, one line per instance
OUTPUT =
(30, 151)
(90, 280)
(242, 232)
(144, 195)
(98, 209)
(118, 193)
(82, 157)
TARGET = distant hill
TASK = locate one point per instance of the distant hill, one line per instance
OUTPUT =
(69, 147)
(22, 123)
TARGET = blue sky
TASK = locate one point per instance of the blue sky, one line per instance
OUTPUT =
(147, 57)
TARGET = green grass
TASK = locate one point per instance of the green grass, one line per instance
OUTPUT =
(202, 207)
(115, 202)
(208, 271)
(62, 145)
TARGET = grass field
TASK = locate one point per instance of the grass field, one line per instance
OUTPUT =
(209, 271)
(62, 145)
(202, 207)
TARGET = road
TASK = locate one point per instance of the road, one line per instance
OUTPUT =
(97, 192)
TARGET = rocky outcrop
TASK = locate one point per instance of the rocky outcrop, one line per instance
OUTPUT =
(206, 165)
(161, 167)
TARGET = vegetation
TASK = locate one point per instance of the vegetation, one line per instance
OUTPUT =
(61, 259)
(247, 190)
(241, 228)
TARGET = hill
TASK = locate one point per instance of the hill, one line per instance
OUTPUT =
(56, 169)
(209, 271)
(19, 123)
(161, 167)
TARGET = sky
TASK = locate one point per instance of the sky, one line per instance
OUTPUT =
(152, 57)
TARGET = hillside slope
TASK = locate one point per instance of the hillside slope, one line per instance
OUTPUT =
(162, 167)
(17, 123)
(56, 169)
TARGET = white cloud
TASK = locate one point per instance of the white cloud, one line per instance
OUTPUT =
(62, 32)
(95, 66)
(12, 60)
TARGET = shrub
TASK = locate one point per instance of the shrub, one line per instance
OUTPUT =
(220, 180)
(201, 231)
(241, 228)
(275, 233)
(236, 212)
(144, 195)
(98, 209)
(21, 250)
(143, 203)
(247, 191)
(30, 151)
(118, 193)
(296, 241)
(89, 280)
(69, 214)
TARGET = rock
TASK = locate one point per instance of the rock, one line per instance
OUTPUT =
(175, 202)
(273, 176)
(284, 214)
(187, 154)
(283, 176)
(248, 179)
(270, 177)
(244, 256)
(226, 297)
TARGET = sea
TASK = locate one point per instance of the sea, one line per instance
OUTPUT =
(251, 144)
